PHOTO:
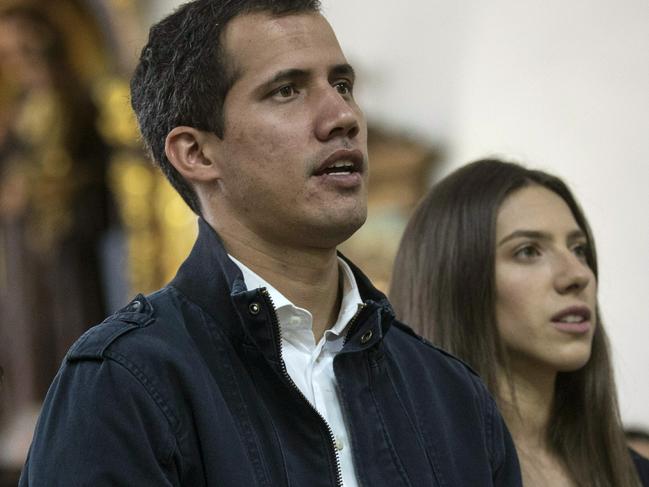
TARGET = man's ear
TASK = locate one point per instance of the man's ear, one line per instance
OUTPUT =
(193, 153)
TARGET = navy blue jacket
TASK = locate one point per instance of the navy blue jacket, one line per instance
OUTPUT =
(188, 387)
(642, 466)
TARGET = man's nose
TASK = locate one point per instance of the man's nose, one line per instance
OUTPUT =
(337, 116)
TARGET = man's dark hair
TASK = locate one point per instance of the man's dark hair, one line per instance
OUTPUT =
(184, 74)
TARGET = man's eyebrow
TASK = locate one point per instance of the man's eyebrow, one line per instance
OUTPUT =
(295, 73)
(284, 75)
(287, 74)
(537, 235)
(343, 70)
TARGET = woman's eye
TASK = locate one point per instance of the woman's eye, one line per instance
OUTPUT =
(581, 250)
(527, 252)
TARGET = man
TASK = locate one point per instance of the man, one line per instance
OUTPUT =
(269, 360)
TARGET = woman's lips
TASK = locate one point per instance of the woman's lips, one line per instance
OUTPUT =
(575, 319)
(577, 328)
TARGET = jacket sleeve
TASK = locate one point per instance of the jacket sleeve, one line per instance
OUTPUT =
(101, 426)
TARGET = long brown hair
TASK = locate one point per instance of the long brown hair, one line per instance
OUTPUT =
(443, 285)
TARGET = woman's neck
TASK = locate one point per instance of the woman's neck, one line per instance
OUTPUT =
(526, 401)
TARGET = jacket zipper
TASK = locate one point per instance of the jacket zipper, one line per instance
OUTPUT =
(278, 342)
(352, 324)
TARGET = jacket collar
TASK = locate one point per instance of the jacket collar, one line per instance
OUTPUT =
(210, 279)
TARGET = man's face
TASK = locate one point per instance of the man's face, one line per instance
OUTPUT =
(295, 142)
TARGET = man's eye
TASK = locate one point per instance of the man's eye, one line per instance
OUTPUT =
(343, 87)
(286, 91)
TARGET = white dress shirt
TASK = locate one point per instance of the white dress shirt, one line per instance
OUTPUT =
(310, 364)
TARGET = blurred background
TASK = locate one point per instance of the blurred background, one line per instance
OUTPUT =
(86, 221)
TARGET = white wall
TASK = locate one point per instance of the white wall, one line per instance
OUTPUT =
(563, 86)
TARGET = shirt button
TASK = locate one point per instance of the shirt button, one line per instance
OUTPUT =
(295, 320)
(340, 444)
(254, 308)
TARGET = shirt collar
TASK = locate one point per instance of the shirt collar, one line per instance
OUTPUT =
(284, 307)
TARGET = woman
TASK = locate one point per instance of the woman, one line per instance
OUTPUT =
(498, 266)
(54, 210)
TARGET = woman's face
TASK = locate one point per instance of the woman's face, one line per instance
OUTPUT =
(546, 294)
(22, 57)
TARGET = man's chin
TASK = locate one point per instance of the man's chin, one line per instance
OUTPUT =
(339, 230)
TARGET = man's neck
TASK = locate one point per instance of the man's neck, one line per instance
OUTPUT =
(309, 278)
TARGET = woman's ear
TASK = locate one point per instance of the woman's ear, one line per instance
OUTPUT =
(190, 151)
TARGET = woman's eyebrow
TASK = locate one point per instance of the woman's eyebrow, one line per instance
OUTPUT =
(532, 234)
(538, 235)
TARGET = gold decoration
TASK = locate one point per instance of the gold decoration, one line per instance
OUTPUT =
(116, 122)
